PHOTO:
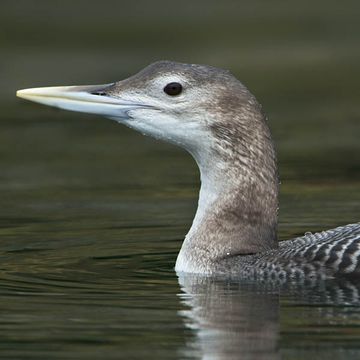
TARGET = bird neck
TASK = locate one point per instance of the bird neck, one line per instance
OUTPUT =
(237, 208)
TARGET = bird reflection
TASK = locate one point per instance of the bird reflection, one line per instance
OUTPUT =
(233, 319)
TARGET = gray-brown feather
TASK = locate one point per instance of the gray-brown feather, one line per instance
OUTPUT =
(243, 217)
(322, 255)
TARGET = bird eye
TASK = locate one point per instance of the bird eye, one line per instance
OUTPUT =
(173, 89)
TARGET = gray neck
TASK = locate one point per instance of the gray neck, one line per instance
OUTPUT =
(238, 201)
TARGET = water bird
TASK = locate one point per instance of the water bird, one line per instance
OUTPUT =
(212, 115)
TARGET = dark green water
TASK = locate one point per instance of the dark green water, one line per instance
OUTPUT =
(92, 214)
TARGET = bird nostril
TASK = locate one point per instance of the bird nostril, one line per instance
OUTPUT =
(99, 93)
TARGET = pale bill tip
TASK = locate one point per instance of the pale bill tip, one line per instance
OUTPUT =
(21, 93)
(25, 93)
(28, 93)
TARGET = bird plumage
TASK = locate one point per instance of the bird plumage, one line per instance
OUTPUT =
(212, 115)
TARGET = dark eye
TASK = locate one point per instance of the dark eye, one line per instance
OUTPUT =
(173, 88)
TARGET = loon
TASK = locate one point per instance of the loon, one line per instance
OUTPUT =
(212, 115)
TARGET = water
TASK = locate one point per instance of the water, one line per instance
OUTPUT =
(93, 214)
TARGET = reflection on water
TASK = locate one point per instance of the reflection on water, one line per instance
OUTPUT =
(234, 319)
(231, 318)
